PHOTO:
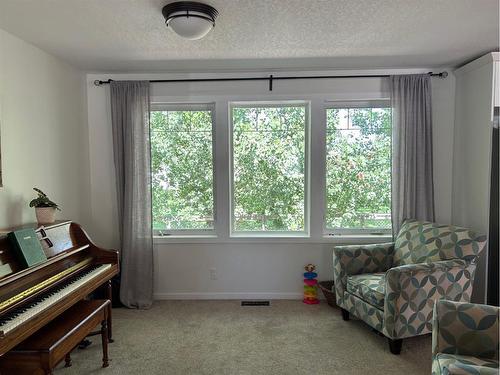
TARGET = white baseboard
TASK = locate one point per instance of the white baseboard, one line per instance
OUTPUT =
(225, 295)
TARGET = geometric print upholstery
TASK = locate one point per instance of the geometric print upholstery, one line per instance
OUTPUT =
(422, 241)
(412, 289)
(447, 364)
(370, 287)
(357, 260)
(371, 315)
(393, 290)
(466, 329)
(465, 338)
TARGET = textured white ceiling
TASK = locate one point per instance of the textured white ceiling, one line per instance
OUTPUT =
(125, 35)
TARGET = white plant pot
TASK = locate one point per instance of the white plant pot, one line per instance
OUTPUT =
(45, 215)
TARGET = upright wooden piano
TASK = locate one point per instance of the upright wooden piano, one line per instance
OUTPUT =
(32, 297)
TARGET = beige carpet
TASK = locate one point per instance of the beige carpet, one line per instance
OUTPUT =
(220, 337)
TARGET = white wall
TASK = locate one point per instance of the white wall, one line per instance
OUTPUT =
(264, 268)
(41, 127)
(472, 163)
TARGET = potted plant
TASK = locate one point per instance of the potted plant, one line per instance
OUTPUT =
(45, 209)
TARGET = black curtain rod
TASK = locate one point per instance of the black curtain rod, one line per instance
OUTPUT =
(271, 78)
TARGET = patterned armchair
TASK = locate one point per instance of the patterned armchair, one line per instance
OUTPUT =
(465, 339)
(392, 287)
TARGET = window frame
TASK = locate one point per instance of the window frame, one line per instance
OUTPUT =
(348, 104)
(193, 106)
(307, 169)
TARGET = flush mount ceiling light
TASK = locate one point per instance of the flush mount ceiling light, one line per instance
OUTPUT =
(189, 19)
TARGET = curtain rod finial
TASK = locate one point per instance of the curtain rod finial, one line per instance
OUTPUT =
(97, 82)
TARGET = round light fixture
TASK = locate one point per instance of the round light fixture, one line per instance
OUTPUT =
(189, 19)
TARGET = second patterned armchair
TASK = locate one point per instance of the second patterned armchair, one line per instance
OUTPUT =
(465, 339)
(392, 287)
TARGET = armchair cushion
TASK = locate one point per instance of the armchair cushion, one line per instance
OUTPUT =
(370, 287)
(423, 241)
(453, 364)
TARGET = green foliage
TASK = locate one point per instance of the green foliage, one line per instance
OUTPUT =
(358, 165)
(269, 168)
(182, 178)
(268, 163)
(43, 200)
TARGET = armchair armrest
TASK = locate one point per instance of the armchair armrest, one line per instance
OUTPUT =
(412, 269)
(410, 292)
(465, 329)
(357, 259)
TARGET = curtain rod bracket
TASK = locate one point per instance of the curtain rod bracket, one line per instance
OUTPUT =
(440, 75)
(98, 82)
(271, 82)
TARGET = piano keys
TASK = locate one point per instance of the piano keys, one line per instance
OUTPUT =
(21, 315)
(32, 297)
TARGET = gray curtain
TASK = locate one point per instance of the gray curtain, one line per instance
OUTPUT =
(131, 148)
(412, 174)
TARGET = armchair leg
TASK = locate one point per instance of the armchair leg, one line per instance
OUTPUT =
(395, 345)
(345, 314)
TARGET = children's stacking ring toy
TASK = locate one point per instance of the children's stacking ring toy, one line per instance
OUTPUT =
(310, 285)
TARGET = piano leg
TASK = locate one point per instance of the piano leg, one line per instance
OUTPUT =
(109, 292)
(67, 360)
(104, 336)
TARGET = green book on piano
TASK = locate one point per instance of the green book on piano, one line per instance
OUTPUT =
(28, 247)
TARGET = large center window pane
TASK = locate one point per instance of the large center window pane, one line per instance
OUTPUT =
(269, 168)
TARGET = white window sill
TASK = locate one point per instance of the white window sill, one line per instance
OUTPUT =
(358, 238)
(270, 235)
(345, 239)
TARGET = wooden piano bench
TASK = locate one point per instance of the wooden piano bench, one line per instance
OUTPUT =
(46, 348)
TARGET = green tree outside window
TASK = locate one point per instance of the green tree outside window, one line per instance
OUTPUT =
(182, 169)
(269, 168)
(358, 168)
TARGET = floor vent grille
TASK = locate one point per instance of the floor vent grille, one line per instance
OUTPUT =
(255, 303)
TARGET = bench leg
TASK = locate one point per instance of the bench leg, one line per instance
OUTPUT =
(109, 290)
(104, 335)
(67, 360)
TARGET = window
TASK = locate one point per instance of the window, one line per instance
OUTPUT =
(269, 167)
(358, 168)
(182, 168)
(263, 169)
